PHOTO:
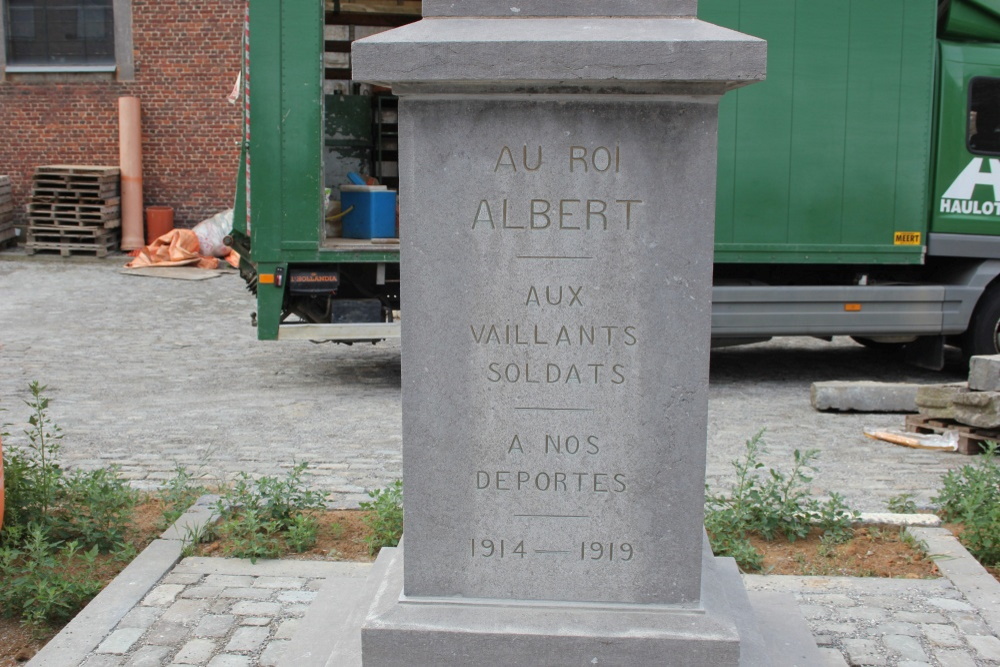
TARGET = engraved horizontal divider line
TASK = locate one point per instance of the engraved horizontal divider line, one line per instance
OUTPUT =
(535, 407)
(553, 257)
(553, 516)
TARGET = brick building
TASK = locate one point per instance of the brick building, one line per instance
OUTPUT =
(65, 63)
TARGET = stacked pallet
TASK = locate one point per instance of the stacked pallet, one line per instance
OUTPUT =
(970, 409)
(74, 209)
(7, 232)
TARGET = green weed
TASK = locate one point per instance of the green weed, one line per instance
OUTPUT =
(56, 523)
(259, 516)
(769, 502)
(970, 495)
(384, 518)
(902, 504)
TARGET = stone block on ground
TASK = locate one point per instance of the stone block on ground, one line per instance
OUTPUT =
(864, 396)
(984, 373)
(978, 408)
(934, 400)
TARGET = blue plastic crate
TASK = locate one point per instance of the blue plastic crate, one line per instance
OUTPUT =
(374, 214)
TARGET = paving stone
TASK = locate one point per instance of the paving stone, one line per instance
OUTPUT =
(248, 593)
(907, 647)
(120, 641)
(315, 584)
(272, 653)
(163, 594)
(296, 610)
(184, 611)
(863, 614)
(987, 646)
(229, 580)
(255, 620)
(103, 660)
(279, 582)
(220, 606)
(833, 628)
(912, 663)
(920, 617)
(969, 623)
(196, 652)
(248, 639)
(167, 633)
(863, 652)
(297, 596)
(953, 658)
(202, 592)
(288, 627)
(149, 656)
(230, 660)
(253, 608)
(897, 628)
(214, 625)
(186, 578)
(941, 635)
(984, 373)
(140, 617)
(950, 605)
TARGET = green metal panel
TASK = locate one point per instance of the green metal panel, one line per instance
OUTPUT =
(973, 19)
(977, 212)
(286, 177)
(828, 158)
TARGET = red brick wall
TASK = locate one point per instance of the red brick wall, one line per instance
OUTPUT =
(187, 56)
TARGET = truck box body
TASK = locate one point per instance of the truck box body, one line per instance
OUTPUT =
(828, 160)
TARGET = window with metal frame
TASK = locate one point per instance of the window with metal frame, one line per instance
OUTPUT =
(984, 116)
(60, 32)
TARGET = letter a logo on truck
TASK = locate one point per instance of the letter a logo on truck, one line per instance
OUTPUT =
(958, 197)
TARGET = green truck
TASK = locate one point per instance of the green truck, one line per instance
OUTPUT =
(858, 187)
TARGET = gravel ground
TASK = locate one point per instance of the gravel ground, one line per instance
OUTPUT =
(150, 373)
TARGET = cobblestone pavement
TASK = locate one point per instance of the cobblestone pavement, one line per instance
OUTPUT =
(219, 612)
(151, 373)
(904, 622)
(229, 613)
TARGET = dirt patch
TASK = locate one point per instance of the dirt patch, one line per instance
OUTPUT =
(19, 643)
(340, 535)
(875, 551)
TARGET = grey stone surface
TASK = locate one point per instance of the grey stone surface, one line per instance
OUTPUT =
(978, 408)
(984, 373)
(559, 8)
(547, 463)
(120, 641)
(512, 399)
(939, 395)
(556, 54)
(976, 584)
(863, 396)
(98, 619)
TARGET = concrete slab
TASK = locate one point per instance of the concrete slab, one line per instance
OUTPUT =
(864, 396)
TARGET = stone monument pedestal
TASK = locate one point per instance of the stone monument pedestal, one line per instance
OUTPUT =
(557, 170)
(720, 630)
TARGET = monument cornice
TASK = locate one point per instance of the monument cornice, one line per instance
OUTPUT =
(576, 54)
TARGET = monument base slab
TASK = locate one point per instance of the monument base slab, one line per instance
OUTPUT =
(728, 628)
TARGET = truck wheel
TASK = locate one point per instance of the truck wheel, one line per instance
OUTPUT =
(983, 334)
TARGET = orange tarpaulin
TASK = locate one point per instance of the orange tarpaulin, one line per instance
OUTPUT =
(178, 247)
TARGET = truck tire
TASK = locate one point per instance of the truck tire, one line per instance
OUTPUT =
(983, 334)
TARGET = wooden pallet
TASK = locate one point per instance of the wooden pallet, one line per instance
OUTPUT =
(106, 215)
(100, 246)
(8, 236)
(970, 438)
(77, 170)
(92, 191)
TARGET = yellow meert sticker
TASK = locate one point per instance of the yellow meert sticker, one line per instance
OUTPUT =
(906, 238)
